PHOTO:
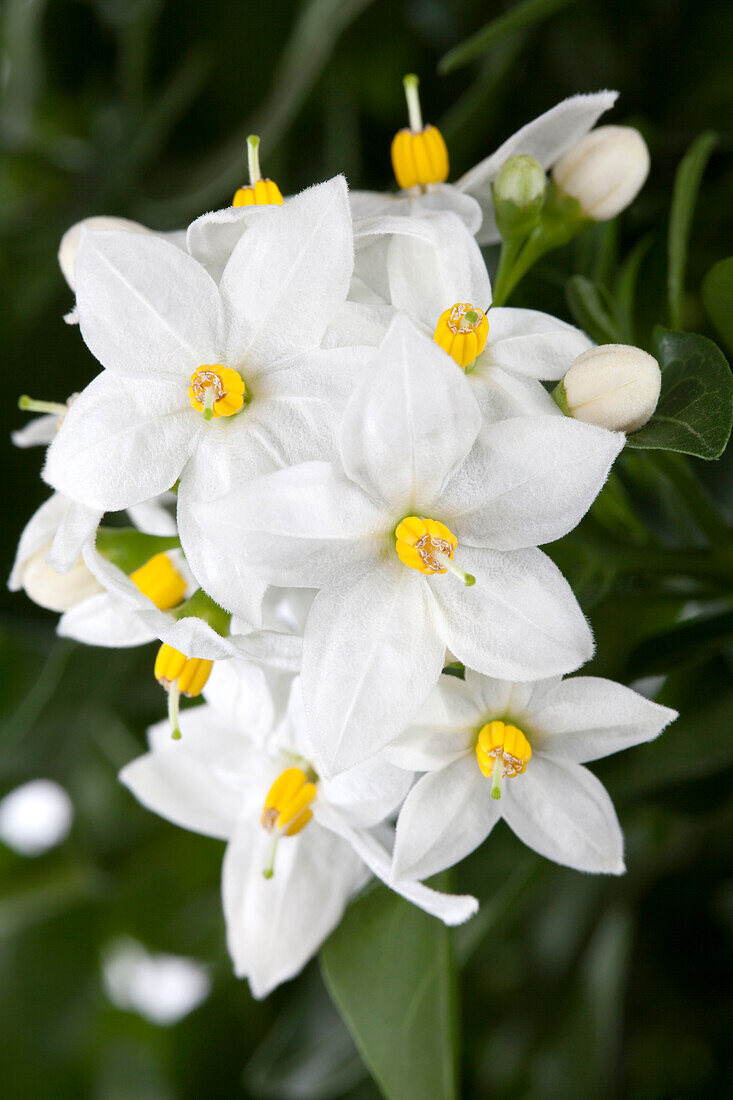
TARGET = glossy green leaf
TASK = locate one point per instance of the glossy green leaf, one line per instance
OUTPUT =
(717, 296)
(593, 310)
(686, 187)
(695, 410)
(389, 969)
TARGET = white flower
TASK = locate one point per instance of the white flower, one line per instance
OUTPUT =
(285, 882)
(376, 636)
(525, 743)
(35, 817)
(429, 264)
(246, 355)
(161, 988)
(546, 139)
(605, 171)
(614, 385)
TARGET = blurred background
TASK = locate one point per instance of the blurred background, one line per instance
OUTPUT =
(114, 979)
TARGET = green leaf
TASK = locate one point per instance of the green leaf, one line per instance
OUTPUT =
(695, 410)
(592, 307)
(389, 970)
(717, 296)
(522, 15)
(686, 187)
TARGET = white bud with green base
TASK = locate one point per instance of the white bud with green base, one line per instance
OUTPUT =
(614, 386)
(519, 194)
(605, 171)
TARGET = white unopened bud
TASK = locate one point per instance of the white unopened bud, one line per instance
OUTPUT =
(614, 386)
(56, 591)
(70, 240)
(605, 171)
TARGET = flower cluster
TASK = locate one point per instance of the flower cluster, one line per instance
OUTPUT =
(338, 457)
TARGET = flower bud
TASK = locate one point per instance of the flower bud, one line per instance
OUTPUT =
(56, 591)
(605, 171)
(519, 193)
(614, 386)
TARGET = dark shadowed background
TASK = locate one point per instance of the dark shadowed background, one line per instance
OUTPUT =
(571, 986)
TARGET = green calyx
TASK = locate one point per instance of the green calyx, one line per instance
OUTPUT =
(201, 606)
(128, 548)
(561, 218)
(560, 398)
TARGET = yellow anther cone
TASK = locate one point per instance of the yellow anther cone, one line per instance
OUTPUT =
(462, 332)
(160, 581)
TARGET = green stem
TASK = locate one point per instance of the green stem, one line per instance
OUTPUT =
(510, 249)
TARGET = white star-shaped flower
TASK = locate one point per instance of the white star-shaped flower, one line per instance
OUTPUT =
(416, 498)
(299, 846)
(526, 745)
(546, 139)
(210, 385)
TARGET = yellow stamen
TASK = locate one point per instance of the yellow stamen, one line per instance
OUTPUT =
(462, 331)
(428, 546)
(160, 581)
(216, 391)
(419, 153)
(287, 809)
(261, 192)
(180, 675)
(502, 751)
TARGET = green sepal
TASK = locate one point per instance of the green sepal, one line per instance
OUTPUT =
(128, 548)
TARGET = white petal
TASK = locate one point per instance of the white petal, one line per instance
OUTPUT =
(410, 423)
(428, 276)
(181, 780)
(69, 244)
(531, 343)
(371, 657)
(585, 718)
(145, 307)
(239, 693)
(307, 526)
(528, 481)
(367, 205)
(37, 432)
(520, 621)
(545, 138)
(358, 323)
(561, 810)
(367, 793)
(446, 815)
(274, 926)
(501, 395)
(122, 441)
(452, 909)
(288, 275)
(153, 516)
(37, 533)
(443, 731)
(104, 620)
(212, 237)
(75, 531)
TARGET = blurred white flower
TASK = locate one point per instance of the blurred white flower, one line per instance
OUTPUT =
(160, 988)
(605, 171)
(35, 817)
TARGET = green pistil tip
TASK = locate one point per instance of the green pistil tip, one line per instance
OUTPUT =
(268, 872)
(208, 414)
(472, 316)
(24, 402)
(495, 792)
(176, 734)
(253, 140)
(411, 80)
(470, 579)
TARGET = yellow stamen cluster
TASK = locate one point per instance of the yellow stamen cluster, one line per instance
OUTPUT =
(216, 391)
(160, 581)
(264, 193)
(287, 806)
(462, 331)
(502, 751)
(187, 674)
(419, 159)
(419, 153)
(424, 544)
